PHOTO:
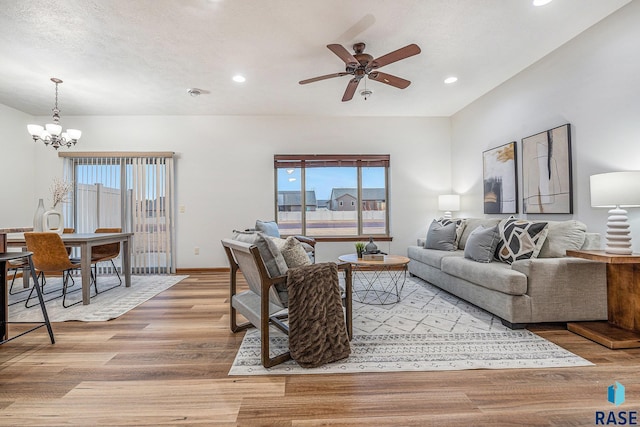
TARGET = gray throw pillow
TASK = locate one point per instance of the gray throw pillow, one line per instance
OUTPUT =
(270, 228)
(271, 255)
(481, 244)
(441, 237)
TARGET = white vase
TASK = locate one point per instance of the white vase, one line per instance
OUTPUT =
(50, 225)
(37, 216)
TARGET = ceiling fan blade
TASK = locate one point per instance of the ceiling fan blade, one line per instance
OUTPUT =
(389, 79)
(394, 56)
(351, 90)
(326, 76)
(344, 54)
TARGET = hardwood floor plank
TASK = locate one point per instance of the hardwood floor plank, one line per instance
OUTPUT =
(167, 361)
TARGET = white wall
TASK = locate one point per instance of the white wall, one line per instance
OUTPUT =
(18, 169)
(591, 82)
(226, 163)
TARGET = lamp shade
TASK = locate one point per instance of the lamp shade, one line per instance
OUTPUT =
(449, 202)
(615, 189)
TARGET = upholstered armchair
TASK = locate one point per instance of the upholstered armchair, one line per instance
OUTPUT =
(266, 302)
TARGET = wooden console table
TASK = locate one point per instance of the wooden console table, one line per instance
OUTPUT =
(622, 330)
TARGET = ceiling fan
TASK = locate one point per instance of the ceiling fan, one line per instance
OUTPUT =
(362, 64)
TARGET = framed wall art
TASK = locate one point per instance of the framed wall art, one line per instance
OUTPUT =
(546, 172)
(499, 175)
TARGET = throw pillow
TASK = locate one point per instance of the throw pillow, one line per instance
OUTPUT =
(270, 228)
(520, 239)
(460, 224)
(471, 224)
(294, 253)
(441, 237)
(563, 236)
(271, 255)
(481, 244)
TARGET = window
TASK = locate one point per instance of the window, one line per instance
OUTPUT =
(344, 196)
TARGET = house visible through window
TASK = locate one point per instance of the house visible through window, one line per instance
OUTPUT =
(342, 195)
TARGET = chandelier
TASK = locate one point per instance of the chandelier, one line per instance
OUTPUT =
(52, 133)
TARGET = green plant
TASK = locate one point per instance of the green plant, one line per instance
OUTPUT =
(359, 247)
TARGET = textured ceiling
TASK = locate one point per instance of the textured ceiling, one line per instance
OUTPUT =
(140, 56)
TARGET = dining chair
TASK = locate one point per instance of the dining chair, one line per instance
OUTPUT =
(50, 256)
(103, 253)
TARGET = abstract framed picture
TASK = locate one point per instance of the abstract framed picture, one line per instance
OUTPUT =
(546, 172)
(499, 176)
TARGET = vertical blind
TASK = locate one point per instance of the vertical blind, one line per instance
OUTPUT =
(132, 191)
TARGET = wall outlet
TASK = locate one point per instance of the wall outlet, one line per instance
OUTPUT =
(196, 251)
(181, 208)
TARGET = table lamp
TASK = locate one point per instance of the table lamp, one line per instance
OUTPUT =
(616, 190)
(448, 203)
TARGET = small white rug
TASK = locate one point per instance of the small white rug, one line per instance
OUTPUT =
(428, 330)
(104, 306)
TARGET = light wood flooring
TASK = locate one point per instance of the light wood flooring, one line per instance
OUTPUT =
(166, 363)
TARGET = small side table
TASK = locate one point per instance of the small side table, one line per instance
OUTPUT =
(4, 298)
(384, 284)
(622, 330)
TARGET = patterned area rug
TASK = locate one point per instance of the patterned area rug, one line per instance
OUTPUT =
(104, 306)
(428, 330)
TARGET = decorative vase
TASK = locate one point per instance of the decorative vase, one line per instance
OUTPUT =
(359, 252)
(371, 247)
(47, 226)
(37, 216)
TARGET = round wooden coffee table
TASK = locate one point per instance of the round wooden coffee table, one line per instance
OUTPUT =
(377, 282)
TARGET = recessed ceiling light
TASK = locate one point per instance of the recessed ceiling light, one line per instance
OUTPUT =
(239, 79)
(450, 80)
(541, 2)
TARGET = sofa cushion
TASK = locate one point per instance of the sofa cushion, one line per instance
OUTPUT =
(481, 244)
(460, 224)
(563, 236)
(495, 275)
(270, 228)
(520, 239)
(430, 257)
(441, 237)
(473, 223)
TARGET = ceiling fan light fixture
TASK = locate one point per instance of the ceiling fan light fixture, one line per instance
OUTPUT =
(366, 93)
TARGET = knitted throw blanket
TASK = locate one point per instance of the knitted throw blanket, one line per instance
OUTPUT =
(317, 329)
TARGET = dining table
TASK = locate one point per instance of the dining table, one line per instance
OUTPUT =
(86, 241)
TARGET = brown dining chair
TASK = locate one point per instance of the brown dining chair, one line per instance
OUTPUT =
(19, 267)
(50, 256)
(103, 253)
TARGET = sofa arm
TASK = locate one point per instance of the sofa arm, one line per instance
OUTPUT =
(565, 289)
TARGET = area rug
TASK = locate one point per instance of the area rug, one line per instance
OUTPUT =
(428, 330)
(104, 306)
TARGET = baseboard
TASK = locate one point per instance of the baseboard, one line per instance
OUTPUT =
(201, 270)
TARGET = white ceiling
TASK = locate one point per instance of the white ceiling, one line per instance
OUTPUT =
(122, 57)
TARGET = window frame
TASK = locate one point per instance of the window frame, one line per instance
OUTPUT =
(302, 162)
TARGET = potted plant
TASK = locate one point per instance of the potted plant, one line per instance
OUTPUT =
(359, 249)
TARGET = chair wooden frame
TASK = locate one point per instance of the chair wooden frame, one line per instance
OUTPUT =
(237, 253)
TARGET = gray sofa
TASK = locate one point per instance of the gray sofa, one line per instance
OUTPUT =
(549, 288)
